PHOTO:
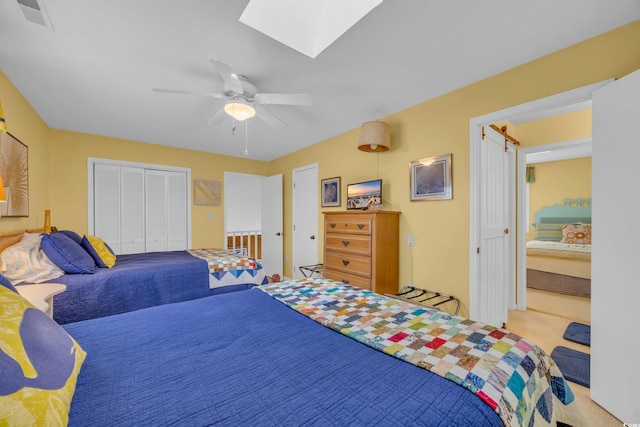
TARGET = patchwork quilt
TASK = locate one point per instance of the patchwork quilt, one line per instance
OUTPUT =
(509, 373)
(228, 268)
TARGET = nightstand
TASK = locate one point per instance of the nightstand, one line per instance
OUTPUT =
(41, 295)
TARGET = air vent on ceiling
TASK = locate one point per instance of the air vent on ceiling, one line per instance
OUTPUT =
(35, 11)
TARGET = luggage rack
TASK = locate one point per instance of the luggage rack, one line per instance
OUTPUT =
(425, 297)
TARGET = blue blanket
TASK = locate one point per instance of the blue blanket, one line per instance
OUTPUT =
(244, 358)
(136, 281)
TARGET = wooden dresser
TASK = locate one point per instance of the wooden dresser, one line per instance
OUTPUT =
(361, 249)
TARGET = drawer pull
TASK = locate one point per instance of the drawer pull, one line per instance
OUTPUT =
(345, 262)
(360, 226)
(332, 225)
(345, 281)
(346, 242)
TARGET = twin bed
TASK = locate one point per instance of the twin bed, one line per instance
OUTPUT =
(136, 280)
(559, 255)
(306, 352)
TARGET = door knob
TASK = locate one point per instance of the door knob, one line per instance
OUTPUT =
(278, 234)
(312, 237)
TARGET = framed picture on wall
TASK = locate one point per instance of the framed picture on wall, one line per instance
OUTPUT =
(330, 192)
(430, 178)
(14, 170)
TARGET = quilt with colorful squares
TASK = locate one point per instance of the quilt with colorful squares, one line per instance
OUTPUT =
(509, 373)
(227, 268)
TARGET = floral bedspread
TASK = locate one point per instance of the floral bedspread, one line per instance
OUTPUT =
(227, 268)
(509, 373)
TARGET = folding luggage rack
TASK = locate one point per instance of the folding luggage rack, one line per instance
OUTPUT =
(425, 297)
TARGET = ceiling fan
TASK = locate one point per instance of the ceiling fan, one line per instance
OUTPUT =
(243, 99)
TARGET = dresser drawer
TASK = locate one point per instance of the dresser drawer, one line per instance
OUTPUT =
(347, 224)
(348, 243)
(356, 264)
(349, 279)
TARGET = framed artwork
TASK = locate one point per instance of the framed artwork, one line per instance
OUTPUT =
(14, 169)
(330, 192)
(430, 178)
(206, 193)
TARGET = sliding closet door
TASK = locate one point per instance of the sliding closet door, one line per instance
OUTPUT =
(132, 200)
(177, 185)
(106, 205)
(139, 209)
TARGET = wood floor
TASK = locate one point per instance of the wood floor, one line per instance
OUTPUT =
(546, 330)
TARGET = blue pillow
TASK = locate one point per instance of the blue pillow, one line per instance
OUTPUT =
(67, 254)
(101, 253)
(7, 284)
(72, 234)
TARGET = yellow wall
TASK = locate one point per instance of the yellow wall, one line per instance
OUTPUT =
(25, 124)
(557, 181)
(440, 258)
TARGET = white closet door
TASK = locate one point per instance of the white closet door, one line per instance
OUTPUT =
(156, 210)
(132, 199)
(106, 200)
(176, 211)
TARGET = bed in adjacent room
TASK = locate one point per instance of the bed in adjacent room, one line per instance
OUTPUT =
(559, 255)
(99, 283)
(306, 352)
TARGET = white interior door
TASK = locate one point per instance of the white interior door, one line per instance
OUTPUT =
(305, 217)
(271, 207)
(615, 289)
(497, 246)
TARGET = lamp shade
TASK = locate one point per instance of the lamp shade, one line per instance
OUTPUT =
(239, 110)
(375, 137)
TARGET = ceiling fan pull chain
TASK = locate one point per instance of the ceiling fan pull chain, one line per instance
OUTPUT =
(246, 137)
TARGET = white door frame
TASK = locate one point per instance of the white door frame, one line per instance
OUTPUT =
(313, 210)
(538, 106)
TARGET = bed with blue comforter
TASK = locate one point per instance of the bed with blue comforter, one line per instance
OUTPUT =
(307, 352)
(142, 280)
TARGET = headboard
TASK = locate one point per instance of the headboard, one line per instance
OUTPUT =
(9, 238)
(569, 212)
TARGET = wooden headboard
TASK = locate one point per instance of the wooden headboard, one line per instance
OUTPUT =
(569, 212)
(9, 238)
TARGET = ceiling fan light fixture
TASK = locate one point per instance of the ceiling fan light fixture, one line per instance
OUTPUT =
(375, 137)
(239, 111)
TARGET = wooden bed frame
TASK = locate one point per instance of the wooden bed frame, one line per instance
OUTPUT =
(9, 238)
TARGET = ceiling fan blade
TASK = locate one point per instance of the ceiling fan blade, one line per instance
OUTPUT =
(228, 75)
(284, 98)
(218, 117)
(188, 92)
(269, 117)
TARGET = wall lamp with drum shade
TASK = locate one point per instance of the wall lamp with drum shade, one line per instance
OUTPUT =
(375, 136)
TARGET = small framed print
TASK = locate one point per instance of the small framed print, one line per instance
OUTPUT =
(430, 178)
(330, 192)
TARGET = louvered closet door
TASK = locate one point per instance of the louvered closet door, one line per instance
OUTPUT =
(132, 213)
(156, 210)
(106, 200)
(176, 211)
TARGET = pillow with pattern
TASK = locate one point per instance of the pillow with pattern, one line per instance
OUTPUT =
(26, 262)
(39, 362)
(576, 233)
(99, 251)
(549, 232)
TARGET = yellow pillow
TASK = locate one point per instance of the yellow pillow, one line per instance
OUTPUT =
(99, 251)
(40, 365)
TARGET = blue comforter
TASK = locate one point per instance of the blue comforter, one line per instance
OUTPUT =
(136, 281)
(243, 358)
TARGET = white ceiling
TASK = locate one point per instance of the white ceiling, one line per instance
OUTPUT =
(94, 72)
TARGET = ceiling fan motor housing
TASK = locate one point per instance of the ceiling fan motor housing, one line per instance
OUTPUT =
(248, 89)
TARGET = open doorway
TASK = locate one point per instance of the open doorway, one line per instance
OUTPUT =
(534, 110)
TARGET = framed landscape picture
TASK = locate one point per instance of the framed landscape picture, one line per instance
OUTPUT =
(430, 178)
(330, 188)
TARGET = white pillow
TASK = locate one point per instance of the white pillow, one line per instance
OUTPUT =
(26, 262)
